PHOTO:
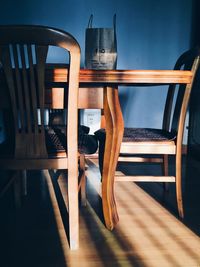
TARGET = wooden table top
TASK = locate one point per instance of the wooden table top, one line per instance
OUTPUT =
(122, 77)
(93, 97)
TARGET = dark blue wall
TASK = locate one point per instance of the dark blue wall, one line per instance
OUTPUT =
(151, 35)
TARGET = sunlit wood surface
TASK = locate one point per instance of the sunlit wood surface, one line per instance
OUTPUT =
(147, 235)
(122, 76)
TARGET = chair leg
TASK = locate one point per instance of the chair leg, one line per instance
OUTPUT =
(73, 205)
(10, 182)
(17, 190)
(18, 180)
(179, 184)
(165, 167)
(24, 182)
(82, 180)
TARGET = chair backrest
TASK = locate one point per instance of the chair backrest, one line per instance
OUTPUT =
(23, 54)
(178, 95)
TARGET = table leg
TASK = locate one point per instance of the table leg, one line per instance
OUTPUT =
(114, 135)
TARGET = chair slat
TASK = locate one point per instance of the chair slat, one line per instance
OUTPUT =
(124, 178)
(25, 91)
(20, 101)
(6, 60)
(41, 55)
(33, 88)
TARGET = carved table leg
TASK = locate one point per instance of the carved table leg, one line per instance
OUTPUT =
(114, 135)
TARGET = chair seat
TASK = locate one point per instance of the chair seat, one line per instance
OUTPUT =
(56, 145)
(56, 140)
(140, 134)
(146, 134)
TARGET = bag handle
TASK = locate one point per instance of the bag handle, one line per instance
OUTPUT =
(114, 22)
(91, 21)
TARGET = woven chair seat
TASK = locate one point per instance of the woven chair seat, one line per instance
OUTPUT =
(55, 141)
(146, 134)
(139, 135)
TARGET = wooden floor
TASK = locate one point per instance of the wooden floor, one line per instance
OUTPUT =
(148, 234)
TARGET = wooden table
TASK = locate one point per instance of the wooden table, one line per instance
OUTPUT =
(99, 89)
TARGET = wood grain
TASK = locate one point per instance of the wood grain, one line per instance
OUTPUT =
(122, 76)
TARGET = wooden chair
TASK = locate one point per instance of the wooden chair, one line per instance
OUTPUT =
(23, 54)
(139, 144)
